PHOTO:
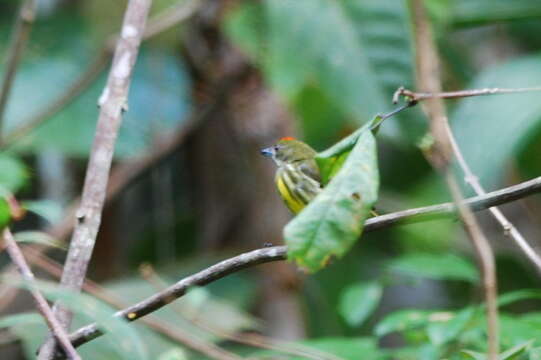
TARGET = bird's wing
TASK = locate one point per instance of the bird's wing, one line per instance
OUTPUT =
(310, 169)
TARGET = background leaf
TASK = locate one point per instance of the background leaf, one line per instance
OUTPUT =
(435, 266)
(20, 318)
(13, 173)
(402, 320)
(39, 237)
(507, 122)
(356, 52)
(358, 301)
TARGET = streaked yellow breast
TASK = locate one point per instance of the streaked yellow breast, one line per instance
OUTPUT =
(293, 203)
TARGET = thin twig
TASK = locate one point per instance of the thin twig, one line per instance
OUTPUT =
(163, 21)
(419, 96)
(112, 102)
(441, 155)
(470, 178)
(21, 33)
(166, 329)
(446, 210)
(41, 304)
(508, 227)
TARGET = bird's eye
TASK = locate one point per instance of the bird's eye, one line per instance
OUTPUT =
(276, 148)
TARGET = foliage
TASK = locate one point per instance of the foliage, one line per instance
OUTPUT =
(335, 64)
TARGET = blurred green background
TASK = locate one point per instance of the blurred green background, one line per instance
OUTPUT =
(206, 95)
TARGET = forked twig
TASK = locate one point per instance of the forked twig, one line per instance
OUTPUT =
(42, 305)
(470, 178)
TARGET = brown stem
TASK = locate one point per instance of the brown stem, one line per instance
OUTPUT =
(441, 155)
(21, 33)
(43, 307)
(112, 102)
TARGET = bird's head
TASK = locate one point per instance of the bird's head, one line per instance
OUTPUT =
(289, 150)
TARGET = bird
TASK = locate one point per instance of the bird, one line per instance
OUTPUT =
(298, 179)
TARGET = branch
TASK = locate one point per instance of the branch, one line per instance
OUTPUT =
(149, 274)
(112, 102)
(126, 173)
(21, 32)
(446, 210)
(440, 156)
(278, 253)
(469, 177)
(166, 329)
(156, 25)
(41, 304)
(420, 96)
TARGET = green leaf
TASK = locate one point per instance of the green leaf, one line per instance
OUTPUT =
(331, 224)
(13, 173)
(476, 12)
(403, 320)
(535, 353)
(318, 38)
(516, 351)
(124, 337)
(435, 266)
(516, 329)
(331, 160)
(5, 213)
(357, 52)
(39, 237)
(442, 332)
(47, 209)
(469, 354)
(507, 122)
(519, 295)
(510, 354)
(174, 354)
(158, 79)
(358, 301)
(18, 319)
(341, 348)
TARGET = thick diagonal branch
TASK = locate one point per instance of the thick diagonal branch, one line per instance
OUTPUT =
(112, 102)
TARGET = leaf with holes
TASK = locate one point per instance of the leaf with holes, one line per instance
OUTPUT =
(334, 220)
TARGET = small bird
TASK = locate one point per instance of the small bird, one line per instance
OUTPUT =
(297, 178)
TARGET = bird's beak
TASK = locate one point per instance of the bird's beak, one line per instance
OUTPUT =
(267, 152)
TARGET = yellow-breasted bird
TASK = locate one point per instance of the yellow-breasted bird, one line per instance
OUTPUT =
(297, 178)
